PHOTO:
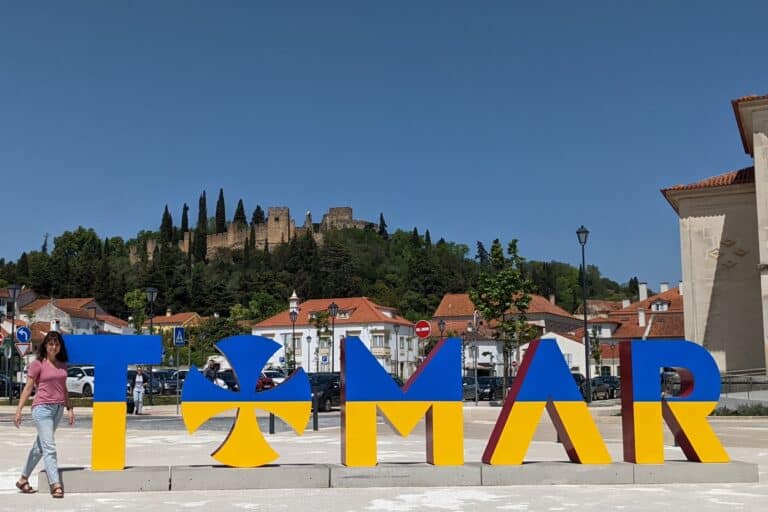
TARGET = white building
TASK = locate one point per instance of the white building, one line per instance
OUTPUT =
(389, 337)
(572, 350)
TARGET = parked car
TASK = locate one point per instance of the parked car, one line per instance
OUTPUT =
(230, 380)
(581, 383)
(277, 375)
(491, 388)
(326, 389)
(615, 384)
(600, 388)
(80, 380)
(10, 388)
(468, 388)
(670, 381)
(166, 384)
(179, 377)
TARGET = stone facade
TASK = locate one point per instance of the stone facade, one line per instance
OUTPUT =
(278, 229)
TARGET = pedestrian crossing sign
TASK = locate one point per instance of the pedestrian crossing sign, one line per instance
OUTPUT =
(178, 337)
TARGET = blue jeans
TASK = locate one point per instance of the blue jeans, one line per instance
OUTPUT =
(46, 418)
(138, 399)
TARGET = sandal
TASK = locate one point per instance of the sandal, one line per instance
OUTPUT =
(24, 487)
(57, 491)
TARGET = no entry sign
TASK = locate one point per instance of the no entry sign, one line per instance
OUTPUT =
(422, 329)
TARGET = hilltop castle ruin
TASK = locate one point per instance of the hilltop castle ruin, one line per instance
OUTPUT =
(277, 229)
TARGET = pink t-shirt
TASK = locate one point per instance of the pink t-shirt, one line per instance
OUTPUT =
(51, 382)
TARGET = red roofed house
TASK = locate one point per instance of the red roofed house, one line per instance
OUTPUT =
(74, 316)
(377, 326)
(724, 250)
(167, 322)
(657, 317)
(458, 312)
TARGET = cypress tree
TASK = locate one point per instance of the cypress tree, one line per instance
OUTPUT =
(252, 238)
(427, 239)
(44, 248)
(383, 227)
(258, 216)
(200, 244)
(184, 219)
(221, 213)
(166, 226)
(239, 218)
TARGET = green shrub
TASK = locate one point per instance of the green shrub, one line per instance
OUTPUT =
(742, 410)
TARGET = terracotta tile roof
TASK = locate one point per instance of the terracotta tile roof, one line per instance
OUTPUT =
(595, 307)
(740, 177)
(602, 320)
(360, 310)
(455, 304)
(177, 319)
(459, 304)
(663, 325)
(735, 104)
(113, 320)
(72, 304)
(672, 296)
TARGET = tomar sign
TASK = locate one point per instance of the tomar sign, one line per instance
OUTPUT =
(422, 329)
(543, 383)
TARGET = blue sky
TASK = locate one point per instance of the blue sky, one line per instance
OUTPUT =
(476, 120)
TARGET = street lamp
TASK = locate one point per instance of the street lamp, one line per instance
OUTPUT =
(333, 310)
(294, 315)
(613, 358)
(583, 233)
(151, 298)
(441, 327)
(474, 356)
(396, 328)
(309, 354)
(13, 294)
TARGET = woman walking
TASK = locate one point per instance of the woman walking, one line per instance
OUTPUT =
(48, 373)
(137, 387)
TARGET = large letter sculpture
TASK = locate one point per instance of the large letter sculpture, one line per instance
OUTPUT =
(111, 356)
(544, 380)
(435, 390)
(245, 446)
(642, 407)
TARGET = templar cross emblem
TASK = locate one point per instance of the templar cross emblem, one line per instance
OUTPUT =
(245, 445)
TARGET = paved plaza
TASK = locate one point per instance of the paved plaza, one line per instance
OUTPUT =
(159, 438)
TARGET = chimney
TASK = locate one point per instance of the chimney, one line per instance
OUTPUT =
(680, 287)
(625, 303)
(551, 298)
(641, 317)
(643, 290)
(168, 312)
(663, 287)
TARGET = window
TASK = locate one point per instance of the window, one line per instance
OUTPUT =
(402, 344)
(377, 340)
(660, 306)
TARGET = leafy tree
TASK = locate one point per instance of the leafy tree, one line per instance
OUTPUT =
(136, 301)
(263, 305)
(221, 214)
(500, 288)
(203, 338)
(239, 218)
(482, 255)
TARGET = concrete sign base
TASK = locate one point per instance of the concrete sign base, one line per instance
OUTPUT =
(295, 476)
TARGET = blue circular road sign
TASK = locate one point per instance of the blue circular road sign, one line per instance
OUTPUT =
(23, 335)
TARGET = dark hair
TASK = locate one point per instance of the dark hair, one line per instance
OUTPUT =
(42, 351)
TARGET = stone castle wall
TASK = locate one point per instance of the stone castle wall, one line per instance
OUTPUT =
(278, 229)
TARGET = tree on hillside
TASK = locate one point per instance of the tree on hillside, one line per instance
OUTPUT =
(258, 216)
(221, 213)
(383, 227)
(482, 256)
(166, 226)
(184, 219)
(239, 217)
(200, 244)
(136, 301)
(501, 287)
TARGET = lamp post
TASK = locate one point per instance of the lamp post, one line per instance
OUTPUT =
(583, 233)
(151, 298)
(396, 328)
(293, 313)
(309, 354)
(333, 310)
(613, 358)
(13, 294)
(474, 357)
